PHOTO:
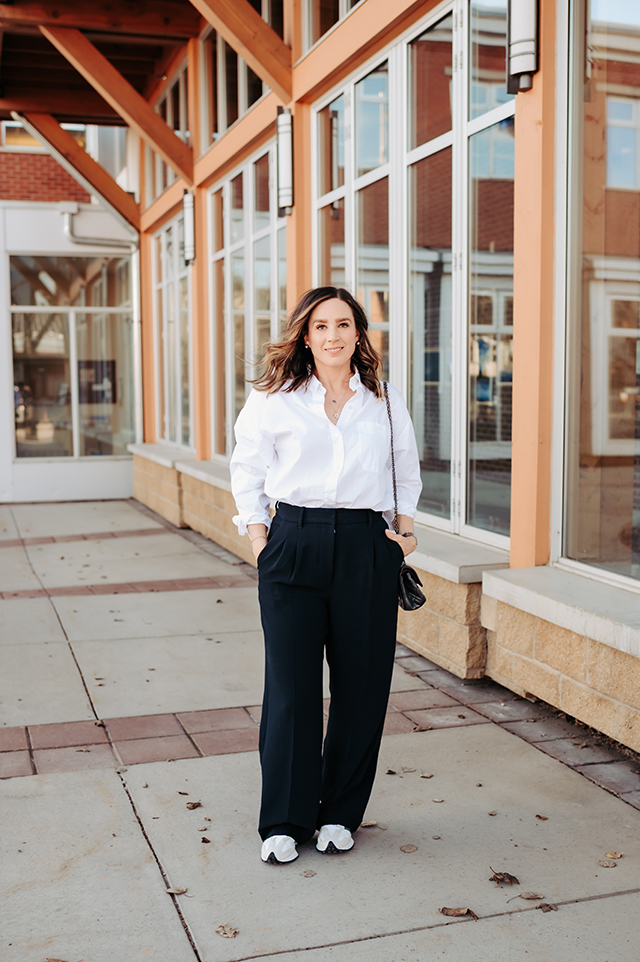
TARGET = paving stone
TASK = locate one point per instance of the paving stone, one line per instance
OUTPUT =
(256, 712)
(65, 734)
(227, 743)
(401, 650)
(569, 751)
(142, 726)
(219, 719)
(475, 694)
(13, 739)
(48, 760)
(632, 798)
(446, 717)
(397, 724)
(439, 678)
(618, 777)
(139, 750)
(15, 764)
(533, 730)
(424, 698)
(414, 663)
(512, 710)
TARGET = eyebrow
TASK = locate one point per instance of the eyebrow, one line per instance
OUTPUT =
(323, 320)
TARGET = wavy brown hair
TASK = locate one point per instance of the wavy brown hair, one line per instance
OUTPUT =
(288, 364)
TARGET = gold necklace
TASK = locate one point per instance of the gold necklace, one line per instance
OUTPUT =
(336, 414)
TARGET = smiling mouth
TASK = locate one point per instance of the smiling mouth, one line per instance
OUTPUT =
(333, 350)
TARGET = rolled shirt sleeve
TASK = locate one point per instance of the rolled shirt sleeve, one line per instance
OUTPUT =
(250, 462)
(408, 479)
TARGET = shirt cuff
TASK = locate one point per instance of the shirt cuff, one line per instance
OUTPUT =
(252, 519)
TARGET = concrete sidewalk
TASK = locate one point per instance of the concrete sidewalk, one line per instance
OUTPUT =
(130, 686)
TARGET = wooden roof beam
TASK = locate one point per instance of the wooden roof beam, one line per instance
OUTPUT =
(89, 170)
(74, 106)
(164, 19)
(125, 100)
(253, 39)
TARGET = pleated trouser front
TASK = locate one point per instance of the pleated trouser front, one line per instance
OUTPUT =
(327, 582)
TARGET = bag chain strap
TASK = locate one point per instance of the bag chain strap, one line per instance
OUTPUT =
(396, 526)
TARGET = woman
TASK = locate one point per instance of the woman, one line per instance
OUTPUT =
(314, 437)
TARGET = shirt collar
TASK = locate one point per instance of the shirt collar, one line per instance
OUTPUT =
(315, 387)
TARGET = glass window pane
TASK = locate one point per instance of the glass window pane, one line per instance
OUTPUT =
(185, 378)
(254, 87)
(372, 279)
(261, 216)
(212, 84)
(218, 221)
(170, 349)
(262, 293)
(430, 326)
(331, 245)
(430, 85)
(49, 281)
(237, 295)
(372, 120)
(488, 38)
(105, 383)
(490, 329)
(42, 386)
(160, 371)
(602, 525)
(324, 13)
(237, 209)
(282, 277)
(231, 83)
(276, 16)
(219, 348)
(331, 145)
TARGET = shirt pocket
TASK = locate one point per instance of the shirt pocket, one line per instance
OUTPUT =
(371, 447)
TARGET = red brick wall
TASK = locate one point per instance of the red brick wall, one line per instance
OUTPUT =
(37, 177)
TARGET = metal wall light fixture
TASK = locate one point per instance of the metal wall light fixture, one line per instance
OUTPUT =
(189, 227)
(522, 44)
(285, 161)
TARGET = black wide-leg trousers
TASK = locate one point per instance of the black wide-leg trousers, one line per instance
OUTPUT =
(327, 582)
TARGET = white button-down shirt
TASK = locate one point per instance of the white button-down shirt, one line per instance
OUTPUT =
(288, 450)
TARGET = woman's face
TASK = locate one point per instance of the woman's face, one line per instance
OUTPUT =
(332, 334)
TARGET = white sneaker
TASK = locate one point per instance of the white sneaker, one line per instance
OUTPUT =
(279, 848)
(333, 839)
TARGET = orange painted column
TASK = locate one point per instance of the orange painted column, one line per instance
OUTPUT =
(533, 307)
(299, 223)
(146, 324)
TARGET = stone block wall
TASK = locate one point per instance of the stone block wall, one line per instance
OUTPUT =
(159, 488)
(447, 628)
(209, 509)
(591, 681)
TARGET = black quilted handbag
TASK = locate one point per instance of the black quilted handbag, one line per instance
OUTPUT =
(409, 595)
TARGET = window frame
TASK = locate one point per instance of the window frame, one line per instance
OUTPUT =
(401, 159)
(159, 287)
(247, 245)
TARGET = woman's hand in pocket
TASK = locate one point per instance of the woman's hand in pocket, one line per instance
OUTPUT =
(258, 535)
(408, 545)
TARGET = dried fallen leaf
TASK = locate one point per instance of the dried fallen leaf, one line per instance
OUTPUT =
(531, 895)
(205, 840)
(438, 799)
(183, 793)
(547, 907)
(192, 805)
(462, 716)
(308, 873)
(503, 877)
(458, 913)
(426, 775)
(492, 813)
(614, 854)
(227, 931)
(176, 891)
(82, 749)
(436, 836)
(408, 849)
(406, 770)
(607, 863)
(421, 728)
(543, 818)
(371, 823)
(390, 771)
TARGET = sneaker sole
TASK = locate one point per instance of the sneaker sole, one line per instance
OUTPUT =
(272, 860)
(332, 849)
